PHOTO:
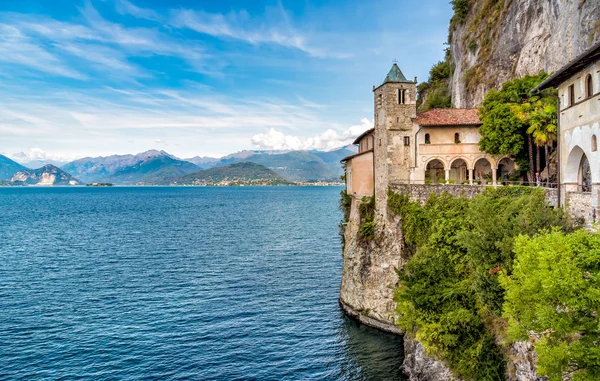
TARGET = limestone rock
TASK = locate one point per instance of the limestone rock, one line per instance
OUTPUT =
(527, 36)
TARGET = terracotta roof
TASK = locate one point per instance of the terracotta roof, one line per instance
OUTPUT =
(449, 117)
(367, 132)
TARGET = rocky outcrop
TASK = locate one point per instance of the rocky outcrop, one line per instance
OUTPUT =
(420, 367)
(368, 273)
(502, 40)
(367, 290)
(47, 175)
(521, 364)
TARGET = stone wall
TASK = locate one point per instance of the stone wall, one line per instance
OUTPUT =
(579, 205)
(421, 192)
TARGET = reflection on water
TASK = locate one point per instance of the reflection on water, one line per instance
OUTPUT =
(369, 354)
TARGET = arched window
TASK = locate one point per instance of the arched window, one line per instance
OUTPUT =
(427, 139)
(456, 138)
(594, 143)
(571, 95)
(401, 96)
(589, 86)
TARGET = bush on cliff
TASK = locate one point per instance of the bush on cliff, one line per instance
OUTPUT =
(366, 230)
(552, 297)
(449, 296)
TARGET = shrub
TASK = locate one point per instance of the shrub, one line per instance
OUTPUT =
(366, 230)
(461, 10)
(552, 296)
(449, 297)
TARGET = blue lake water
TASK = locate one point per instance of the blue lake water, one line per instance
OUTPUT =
(179, 283)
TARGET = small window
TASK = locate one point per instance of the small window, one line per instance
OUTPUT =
(407, 141)
(427, 139)
(456, 138)
(589, 86)
(594, 144)
(571, 95)
(401, 94)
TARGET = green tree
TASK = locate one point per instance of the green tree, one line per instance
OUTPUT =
(449, 297)
(435, 93)
(514, 120)
(553, 297)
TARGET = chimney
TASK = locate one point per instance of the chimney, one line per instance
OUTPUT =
(415, 79)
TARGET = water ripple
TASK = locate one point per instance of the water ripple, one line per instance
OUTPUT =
(179, 284)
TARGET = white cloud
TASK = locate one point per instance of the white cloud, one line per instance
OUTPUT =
(329, 140)
(37, 154)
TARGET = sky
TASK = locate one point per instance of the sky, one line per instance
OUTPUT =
(202, 78)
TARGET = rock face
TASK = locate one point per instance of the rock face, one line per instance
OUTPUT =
(47, 175)
(419, 367)
(506, 39)
(367, 290)
(368, 272)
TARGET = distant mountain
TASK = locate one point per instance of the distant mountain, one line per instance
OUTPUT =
(244, 173)
(159, 167)
(47, 175)
(8, 168)
(203, 162)
(334, 157)
(296, 165)
(150, 167)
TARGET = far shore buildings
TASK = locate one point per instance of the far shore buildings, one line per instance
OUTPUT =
(404, 147)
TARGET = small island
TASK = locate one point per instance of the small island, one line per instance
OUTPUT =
(99, 185)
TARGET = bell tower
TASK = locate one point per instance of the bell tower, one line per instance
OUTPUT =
(395, 108)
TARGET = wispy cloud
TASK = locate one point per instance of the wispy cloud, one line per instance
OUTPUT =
(240, 25)
(179, 115)
(16, 48)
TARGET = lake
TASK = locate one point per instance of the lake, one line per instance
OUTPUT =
(179, 283)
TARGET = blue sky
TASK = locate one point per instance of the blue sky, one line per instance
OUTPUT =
(99, 77)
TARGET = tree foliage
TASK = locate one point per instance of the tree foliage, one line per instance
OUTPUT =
(461, 10)
(552, 297)
(513, 117)
(449, 296)
(435, 93)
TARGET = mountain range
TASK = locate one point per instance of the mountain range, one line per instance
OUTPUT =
(159, 168)
(244, 173)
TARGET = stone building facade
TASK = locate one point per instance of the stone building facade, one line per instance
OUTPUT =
(359, 167)
(434, 147)
(578, 84)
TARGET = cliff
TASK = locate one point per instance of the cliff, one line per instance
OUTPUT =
(495, 41)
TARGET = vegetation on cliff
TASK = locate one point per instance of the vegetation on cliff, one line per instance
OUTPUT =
(450, 297)
(366, 230)
(515, 121)
(552, 297)
(435, 93)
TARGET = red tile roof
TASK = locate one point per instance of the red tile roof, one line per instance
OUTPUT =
(449, 117)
